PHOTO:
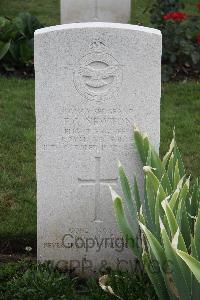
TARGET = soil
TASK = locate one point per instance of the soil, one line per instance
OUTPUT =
(23, 73)
(17, 245)
(7, 258)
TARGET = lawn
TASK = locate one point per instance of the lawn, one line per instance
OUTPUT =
(17, 164)
(47, 11)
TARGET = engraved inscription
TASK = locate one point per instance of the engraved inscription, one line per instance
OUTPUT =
(98, 129)
(94, 128)
(97, 182)
(98, 77)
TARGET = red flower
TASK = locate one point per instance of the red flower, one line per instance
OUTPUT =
(198, 39)
(176, 16)
(198, 6)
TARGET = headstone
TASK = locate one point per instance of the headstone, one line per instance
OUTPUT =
(93, 82)
(73, 11)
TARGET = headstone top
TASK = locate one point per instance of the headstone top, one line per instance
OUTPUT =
(97, 25)
(72, 11)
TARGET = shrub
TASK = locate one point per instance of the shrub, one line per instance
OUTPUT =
(17, 42)
(161, 8)
(181, 42)
(164, 227)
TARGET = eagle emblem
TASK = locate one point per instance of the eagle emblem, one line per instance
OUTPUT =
(98, 76)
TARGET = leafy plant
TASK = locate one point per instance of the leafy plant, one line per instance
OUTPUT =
(17, 41)
(160, 8)
(127, 286)
(163, 227)
(181, 44)
(181, 48)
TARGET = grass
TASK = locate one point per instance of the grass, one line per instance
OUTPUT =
(26, 280)
(180, 107)
(47, 11)
(17, 163)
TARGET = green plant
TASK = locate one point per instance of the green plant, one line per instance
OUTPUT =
(36, 282)
(127, 286)
(160, 8)
(163, 228)
(12, 271)
(181, 47)
(181, 44)
(17, 41)
(24, 280)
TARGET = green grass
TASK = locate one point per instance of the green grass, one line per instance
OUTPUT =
(17, 158)
(47, 11)
(180, 107)
(26, 280)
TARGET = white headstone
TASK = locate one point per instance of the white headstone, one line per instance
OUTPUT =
(95, 11)
(93, 82)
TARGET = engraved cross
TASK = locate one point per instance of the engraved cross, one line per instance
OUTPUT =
(97, 185)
